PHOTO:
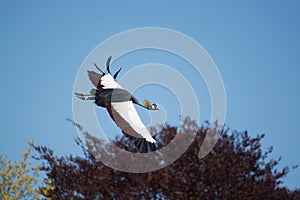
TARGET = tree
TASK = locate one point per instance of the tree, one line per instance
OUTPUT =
(19, 180)
(236, 168)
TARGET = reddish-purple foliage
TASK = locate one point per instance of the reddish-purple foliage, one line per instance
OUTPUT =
(236, 168)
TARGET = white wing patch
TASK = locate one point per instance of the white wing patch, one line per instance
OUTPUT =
(108, 82)
(127, 112)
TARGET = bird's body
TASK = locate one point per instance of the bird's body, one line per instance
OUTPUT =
(119, 104)
(112, 95)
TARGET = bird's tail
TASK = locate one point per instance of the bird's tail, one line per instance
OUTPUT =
(144, 145)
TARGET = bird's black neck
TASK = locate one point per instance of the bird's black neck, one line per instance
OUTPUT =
(134, 100)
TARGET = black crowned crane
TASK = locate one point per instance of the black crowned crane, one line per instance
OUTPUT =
(119, 104)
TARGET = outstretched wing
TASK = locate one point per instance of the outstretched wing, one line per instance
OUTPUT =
(108, 82)
(127, 119)
(95, 78)
(103, 82)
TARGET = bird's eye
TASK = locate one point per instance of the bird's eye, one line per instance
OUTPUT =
(153, 106)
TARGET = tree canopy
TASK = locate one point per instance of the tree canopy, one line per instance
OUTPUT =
(19, 180)
(236, 168)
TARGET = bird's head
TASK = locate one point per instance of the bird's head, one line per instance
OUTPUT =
(150, 106)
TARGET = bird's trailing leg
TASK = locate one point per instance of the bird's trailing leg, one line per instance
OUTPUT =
(85, 96)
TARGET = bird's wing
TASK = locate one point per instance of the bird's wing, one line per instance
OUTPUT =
(127, 119)
(103, 82)
(108, 82)
(95, 78)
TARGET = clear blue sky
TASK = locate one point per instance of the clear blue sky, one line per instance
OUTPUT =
(255, 45)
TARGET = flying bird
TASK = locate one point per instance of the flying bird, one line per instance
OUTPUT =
(119, 104)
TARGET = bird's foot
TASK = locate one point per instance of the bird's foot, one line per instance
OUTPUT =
(84, 96)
